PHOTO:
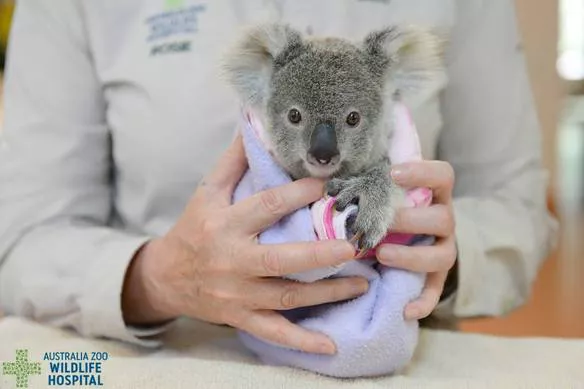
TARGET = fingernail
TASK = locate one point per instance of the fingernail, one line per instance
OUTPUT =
(327, 347)
(396, 173)
(359, 287)
(343, 250)
(387, 254)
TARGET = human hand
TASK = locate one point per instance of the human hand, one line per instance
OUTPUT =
(436, 220)
(210, 266)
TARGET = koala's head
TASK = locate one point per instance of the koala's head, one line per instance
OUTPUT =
(322, 100)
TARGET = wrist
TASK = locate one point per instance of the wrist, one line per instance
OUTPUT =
(143, 301)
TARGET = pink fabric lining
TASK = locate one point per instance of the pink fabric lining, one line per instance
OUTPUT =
(328, 219)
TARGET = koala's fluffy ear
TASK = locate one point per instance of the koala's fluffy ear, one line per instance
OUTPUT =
(409, 59)
(250, 64)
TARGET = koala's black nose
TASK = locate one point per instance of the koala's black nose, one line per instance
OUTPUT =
(323, 144)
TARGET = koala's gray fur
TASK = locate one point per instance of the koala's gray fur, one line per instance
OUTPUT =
(275, 69)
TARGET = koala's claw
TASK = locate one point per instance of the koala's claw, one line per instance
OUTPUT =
(371, 225)
(334, 187)
(361, 245)
(344, 200)
(361, 253)
(356, 238)
(340, 188)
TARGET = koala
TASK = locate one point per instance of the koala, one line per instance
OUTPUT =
(324, 103)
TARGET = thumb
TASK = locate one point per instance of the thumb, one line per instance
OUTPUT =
(229, 169)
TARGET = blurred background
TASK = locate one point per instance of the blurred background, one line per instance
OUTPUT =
(553, 34)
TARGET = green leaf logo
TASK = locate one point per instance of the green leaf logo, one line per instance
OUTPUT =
(21, 369)
(174, 4)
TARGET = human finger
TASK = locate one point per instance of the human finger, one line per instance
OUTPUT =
(436, 220)
(425, 259)
(273, 327)
(435, 175)
(276, 260)
(264, 208)
(227, 172)
(428, 300)
(278, 294)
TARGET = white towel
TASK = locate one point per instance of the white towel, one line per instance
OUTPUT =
(208, 357)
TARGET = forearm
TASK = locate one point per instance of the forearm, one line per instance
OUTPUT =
(502, 243)
(60, 263)
(492, 138)
(71, 275)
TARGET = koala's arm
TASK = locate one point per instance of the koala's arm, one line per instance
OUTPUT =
(377, 197)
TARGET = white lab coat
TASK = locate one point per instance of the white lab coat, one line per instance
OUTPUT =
(115, 110)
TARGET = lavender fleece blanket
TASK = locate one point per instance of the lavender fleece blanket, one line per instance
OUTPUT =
(370, 332)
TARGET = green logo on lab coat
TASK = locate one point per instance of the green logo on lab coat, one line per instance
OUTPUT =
(174, 4)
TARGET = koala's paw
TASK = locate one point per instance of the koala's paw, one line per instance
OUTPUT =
(371, 225)
(376, 209)
(344, 190)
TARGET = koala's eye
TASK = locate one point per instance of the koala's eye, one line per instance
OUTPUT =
(294, 116)
(353, 119)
